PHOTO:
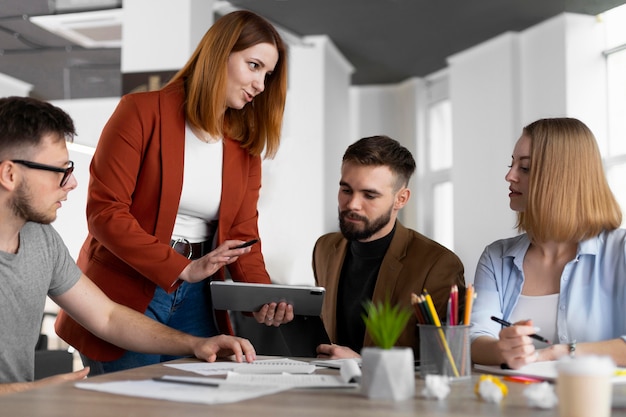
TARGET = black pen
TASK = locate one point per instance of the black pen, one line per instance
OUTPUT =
(186, 382)
(507, 324)
(248, 243)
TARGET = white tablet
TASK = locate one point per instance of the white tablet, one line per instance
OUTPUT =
(243, 296)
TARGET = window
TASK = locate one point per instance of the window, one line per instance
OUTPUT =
(436, 178)
(614, 148)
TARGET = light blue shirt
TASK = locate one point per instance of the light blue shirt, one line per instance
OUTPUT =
(592, 299)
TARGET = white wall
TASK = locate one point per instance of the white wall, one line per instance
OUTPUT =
(336, 129)
(297, 188)
(90, 116)
(156, 35)
(485, 125)
(389, 110)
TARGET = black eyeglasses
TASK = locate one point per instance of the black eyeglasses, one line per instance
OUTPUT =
(67, 172)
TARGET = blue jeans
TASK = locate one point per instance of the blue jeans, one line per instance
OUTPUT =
(188, 309)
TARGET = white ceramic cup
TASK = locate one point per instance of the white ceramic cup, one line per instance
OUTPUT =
(584, 386)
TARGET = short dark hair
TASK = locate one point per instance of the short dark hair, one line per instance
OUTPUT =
(382, 151)
(24, 121)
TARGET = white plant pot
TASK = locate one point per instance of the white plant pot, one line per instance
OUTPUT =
(388, 373)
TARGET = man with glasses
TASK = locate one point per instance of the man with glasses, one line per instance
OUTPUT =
(34, 165)
(35, 177)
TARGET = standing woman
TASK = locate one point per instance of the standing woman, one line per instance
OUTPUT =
(174, 186)
(566, 274)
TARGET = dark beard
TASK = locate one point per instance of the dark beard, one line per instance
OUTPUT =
(352, 232)
(22, 207)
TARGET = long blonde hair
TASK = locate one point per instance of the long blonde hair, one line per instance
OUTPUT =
(258, 125)
(569, 198)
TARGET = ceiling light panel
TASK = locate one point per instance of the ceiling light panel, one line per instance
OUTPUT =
(99, 29)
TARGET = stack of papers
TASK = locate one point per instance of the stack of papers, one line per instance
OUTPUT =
(242, 381)
(265, 366)
(275, 367)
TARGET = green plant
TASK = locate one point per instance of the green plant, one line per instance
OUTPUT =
(385, 322)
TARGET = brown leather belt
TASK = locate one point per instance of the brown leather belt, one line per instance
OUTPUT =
(191, 250)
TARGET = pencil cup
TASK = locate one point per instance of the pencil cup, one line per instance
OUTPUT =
(445, 350)
(584, 386)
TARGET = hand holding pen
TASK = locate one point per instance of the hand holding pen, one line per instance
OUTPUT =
(515, 352)
(534, 335)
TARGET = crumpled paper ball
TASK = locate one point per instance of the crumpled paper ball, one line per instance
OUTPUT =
(490, 389)
(437, 386)
(541, 395)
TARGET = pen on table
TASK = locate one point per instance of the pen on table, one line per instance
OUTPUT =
(534, 335)
(186, 382)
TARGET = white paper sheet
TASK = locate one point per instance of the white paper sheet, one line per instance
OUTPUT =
(227, 393)
(284, 380)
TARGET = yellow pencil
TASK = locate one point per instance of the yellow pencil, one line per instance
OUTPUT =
(433, 312)
(469, 300)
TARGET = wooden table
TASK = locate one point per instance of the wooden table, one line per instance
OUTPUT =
(65, 400)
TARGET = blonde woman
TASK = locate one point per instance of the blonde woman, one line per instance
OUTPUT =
(565, 276)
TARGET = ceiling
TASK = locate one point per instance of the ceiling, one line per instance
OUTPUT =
(386, 41)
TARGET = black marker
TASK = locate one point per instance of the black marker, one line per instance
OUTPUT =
(248, 243)
(507, 324)
(186, 382)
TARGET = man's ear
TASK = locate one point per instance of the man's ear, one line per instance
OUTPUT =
(8, 175)
(402, 197)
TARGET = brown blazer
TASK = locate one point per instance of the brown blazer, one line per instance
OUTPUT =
(136, 178)
(412, 263)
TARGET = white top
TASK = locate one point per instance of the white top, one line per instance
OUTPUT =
(202, 188)
(541, 309)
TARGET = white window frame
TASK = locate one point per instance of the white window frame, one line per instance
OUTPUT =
(436, 91)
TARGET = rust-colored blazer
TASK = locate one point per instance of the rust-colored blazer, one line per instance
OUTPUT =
(136, 179)
(412, 263)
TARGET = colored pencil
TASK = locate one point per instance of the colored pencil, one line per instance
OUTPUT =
(417, 309)
(469, 300)
(454, 297)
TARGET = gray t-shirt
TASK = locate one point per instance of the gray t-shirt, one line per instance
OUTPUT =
(42, 266)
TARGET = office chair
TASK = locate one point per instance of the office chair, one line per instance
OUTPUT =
(50, 362)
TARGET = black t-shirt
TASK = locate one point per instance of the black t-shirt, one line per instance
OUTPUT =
(356, 286)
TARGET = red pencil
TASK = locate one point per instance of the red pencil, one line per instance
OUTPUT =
(454, 296)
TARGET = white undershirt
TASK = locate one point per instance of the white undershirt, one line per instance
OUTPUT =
(541, 309)
(202, 188)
